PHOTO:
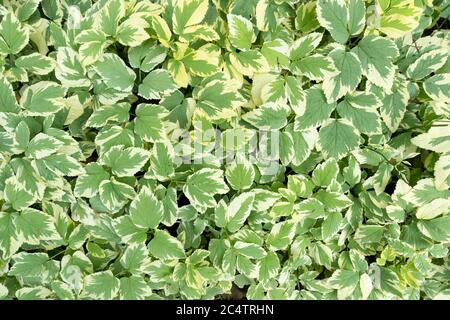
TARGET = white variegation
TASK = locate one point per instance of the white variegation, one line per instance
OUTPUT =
(187, 13)
(202, 185)
(436, 139)
(437, 87)
(303, 46)
(433, 209)
(33, 293)
(241, 32)
(442, 172)
(69, 69)
(115, 73)
(427, 64)
(166, 247)
(132, 32)
(36, 63)
(101, 286)
(92, 45)
(376, 55)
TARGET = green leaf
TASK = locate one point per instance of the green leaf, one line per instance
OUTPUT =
(199, 32)
(264, 199)
(436, 229)
(146, 56)
(13, 37)
(148, 122)
(42, 145)
(62, 290)
(333, 200)
(161, 161)
(433, 209)
(376, 55)
(301, 185)
(234, 215)
(306, 17)
(187, 13)
(10, 240)
(303, 46)
(87, 185)
(269, 267)
(16, 194)
(36, 63)
(249, 250)
(367, 234)
(357, 16)
(437, 87)
(28, 264)
(269, 116)
(156, 84)
(321, 254)
(146, 211)
(274, 91)
(435, 139)
(107, 19)
(316, 111)
(249, 62)
(162, 30)
(3, 292)
(33, 293)
(134, 288)
(341, 18)
(69, 70)
(382, 177)
(26, 9)
(8, 102)
(34, 226)
(315, 67)
(134, 258)
(124, 162)
(92, 44)
(347, 80)
(345, 281)
(265, 15)
(325, 173)
(276, 52)
(22, 136)
(426, 64)
(219, 99)
(132, 32)
(241, 32)
(442, 172)
(361, 110)
(101, 286)
(115, 73)
(43, 98)
(337, 138)
(393, 106)
(109, 113)
(398, 18)
(295, 93)
(330, 225)
(281, 235)
(128, 232)
(115, 194)
(333, 15)
(165, 247)
(424, 192)
(240, 174)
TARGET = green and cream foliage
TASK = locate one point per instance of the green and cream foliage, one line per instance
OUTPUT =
(95, 203)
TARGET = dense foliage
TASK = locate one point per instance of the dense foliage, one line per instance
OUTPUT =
(128, 162)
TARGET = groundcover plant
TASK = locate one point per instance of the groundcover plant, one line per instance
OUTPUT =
(208, 149)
